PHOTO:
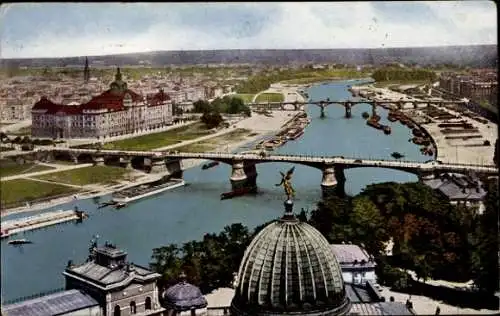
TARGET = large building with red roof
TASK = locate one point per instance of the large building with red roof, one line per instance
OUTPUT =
(117, 111)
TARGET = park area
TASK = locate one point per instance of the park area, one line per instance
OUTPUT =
(86, 175)
(246, 97)
(17, 192)
(216, 142)
(11, 168)
(162, 139)
(270, 97)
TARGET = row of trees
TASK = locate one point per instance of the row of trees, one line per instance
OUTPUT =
(392, 73)
(226, 104)
(431, 237)
(212, 110)
(25, 140)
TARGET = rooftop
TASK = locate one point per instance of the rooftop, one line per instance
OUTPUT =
(53, 304)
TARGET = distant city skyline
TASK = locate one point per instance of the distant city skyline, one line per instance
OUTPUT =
(37, 30)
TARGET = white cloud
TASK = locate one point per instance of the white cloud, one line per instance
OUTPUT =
(301, 25)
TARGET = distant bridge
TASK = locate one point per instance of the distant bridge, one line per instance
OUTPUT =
(347, 104)
(244, 170)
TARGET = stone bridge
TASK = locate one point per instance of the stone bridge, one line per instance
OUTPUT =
(244, 171)
(347, 104)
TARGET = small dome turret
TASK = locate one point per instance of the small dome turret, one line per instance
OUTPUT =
(183, 296)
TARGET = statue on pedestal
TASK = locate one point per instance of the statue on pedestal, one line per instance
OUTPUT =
(286, 182)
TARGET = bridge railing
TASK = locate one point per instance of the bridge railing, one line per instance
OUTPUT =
(303, 156)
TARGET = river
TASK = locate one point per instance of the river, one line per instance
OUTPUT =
(189, 212)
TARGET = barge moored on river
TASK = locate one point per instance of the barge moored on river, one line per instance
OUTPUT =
(11, 227)
(144, 190)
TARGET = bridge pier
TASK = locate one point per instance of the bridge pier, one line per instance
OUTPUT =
(238, 176)
(126, 162)
(98, 160)
(49, 157)
(158, 166)
(328, 182)
(322, 107)
(348, 107)
(250, 170)
(174, 168)
(426, 175)
(341, 180)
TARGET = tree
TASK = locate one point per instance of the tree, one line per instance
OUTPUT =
(201, 106)
(212, 119)
(485, 254)
(368, 225)
(167, 262)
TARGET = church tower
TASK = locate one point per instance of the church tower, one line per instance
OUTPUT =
(86, 71)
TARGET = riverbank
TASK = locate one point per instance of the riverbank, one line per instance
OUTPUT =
(462, 151)
(258, 125)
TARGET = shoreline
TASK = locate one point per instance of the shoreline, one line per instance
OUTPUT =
(445, 150)
(259, 124)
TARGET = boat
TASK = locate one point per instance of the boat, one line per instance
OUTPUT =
(210, 165)
(19, 242)
(387, 129)
(373, 123)
(392, 118)
(105, 204)
(397, 155)
(120, 205)
(144, 190)
(365, 115)
(237, 192)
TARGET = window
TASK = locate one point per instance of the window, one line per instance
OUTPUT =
(148, 303)
(133, 308)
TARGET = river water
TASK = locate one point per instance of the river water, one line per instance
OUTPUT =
(189, 212)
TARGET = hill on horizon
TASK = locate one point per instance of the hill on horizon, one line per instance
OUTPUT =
(473, 56)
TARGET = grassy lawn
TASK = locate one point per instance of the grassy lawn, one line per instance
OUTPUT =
(270, 97)
(87, 175)
(218, 141)
(22, 190)
(246, 97)
(162, 139)
(11, 168)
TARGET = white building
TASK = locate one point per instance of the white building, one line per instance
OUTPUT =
(357, 266)
(117, 111)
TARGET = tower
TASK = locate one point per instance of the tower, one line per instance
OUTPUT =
(86, 71)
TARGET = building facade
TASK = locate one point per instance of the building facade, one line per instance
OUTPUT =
(478, 85)
(115, 112)
(357, 266)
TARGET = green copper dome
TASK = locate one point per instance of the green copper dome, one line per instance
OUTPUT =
(289, 268)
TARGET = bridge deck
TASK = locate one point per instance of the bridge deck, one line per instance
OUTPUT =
(309, 160)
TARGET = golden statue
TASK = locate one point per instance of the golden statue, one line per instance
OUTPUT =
(287, 184)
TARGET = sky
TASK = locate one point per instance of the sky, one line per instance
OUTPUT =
(89, 29)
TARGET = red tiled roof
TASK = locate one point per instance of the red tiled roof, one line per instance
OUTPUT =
(106, 100)
(158, 98)
(110, 100)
